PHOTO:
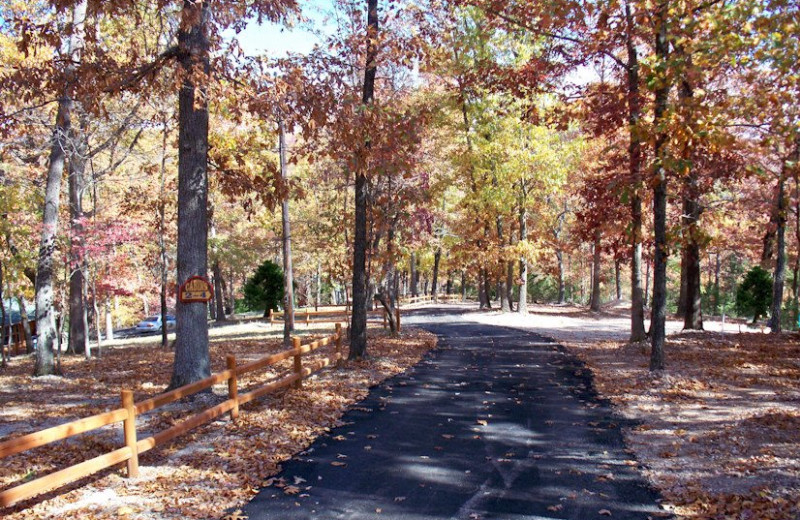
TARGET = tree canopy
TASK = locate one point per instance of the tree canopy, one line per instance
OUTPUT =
(620, 149)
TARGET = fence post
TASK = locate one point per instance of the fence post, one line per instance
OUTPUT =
(233, 386)
(339, 360)
(397, 315)
(271, 317)
(298, 364)
(129, 428)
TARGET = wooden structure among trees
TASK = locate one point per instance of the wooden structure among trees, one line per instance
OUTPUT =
(16, 338)
(127, 412)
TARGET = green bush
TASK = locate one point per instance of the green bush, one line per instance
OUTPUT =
(264, 290)
(542, 288)
(754, 294)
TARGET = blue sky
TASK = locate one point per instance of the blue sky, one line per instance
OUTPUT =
(277, 40)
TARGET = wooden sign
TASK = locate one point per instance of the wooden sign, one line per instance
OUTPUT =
(196, 290)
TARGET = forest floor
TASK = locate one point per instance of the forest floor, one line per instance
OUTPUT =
(718, 429)
(206, 472)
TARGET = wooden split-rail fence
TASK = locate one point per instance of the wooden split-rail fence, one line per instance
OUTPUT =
(309, 316)
(129, 409)
(442, 298)
(322, 315)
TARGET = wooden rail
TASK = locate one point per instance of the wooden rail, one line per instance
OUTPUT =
(128, 411)
(309, 316)
(442, 298)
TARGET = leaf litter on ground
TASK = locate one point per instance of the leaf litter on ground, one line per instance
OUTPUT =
(212, 469)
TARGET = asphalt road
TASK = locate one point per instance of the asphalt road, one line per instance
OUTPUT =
(496, 423)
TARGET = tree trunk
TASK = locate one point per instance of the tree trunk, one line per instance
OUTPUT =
(661, 247)
(483, 296)
(502, 292)
(693, 319)
(145, 304)
(796, 269)
(109, 319)
(413, 265)
(437, 257)
(500, 288)
(96, 310)
(162, 231)
(681, 307)
(387, 294)
(219, 299)
(286, 241)
(617, 278)
(191, 346)
(45, 313)
(77, 264)
(691, 283)
(232, 293)
(358, 329)
(693, 302)
(562, 285)
(717, 267)
(5, 329)
(522, 301)
(26, 326)
(594, 303)
(780, 245)
(487, 288)
(463, 285)
(635, 170)
(780, 262)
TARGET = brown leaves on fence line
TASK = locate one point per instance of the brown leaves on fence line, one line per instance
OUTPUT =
(202, 474)
(718, 430)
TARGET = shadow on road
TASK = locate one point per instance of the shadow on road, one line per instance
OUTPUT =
(495, 423)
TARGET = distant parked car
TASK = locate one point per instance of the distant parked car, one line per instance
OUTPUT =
(153, 324)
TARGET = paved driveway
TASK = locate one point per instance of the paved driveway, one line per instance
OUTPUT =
(496, 423)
